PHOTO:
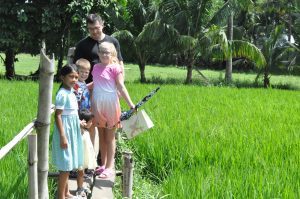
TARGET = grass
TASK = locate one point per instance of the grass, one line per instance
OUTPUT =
(222, 142)
(208, 142)
(18, 105)
(28, 64)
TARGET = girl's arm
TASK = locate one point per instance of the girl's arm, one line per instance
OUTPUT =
(59, 125)
(90, 85)
(123, 91)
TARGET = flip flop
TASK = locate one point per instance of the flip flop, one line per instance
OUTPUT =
(106, 173)
(99, 170)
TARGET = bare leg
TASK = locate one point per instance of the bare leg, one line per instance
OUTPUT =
(67, 191)
(63, 184)
(80, 178)
(102, 145)
(111, 147)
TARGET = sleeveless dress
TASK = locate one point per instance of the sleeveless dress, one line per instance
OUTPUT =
(71, 157)
(105, 103)
(88, 151)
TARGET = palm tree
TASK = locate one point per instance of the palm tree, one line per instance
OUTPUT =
(188, 18)
(228, 10)
(222, 49)
(142, 35)
(275, 49)
(191, 18)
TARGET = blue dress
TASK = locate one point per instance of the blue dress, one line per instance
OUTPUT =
(71, 157)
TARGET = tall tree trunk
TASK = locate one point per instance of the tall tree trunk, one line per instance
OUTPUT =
(290, 21)
(10, 63)
(60, 58)
(62, 46)
(228, 73)
(266, 78)
(189, 73)
(142, 65)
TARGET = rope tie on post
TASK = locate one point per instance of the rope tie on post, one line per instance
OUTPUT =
(38, 124)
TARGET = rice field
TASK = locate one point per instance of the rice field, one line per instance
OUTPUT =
(18, 107)
(223, 143)
(207, 142)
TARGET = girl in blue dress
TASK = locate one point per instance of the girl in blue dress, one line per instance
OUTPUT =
(67, 148)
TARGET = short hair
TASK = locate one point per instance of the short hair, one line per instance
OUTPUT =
(93, 18)
(85, 114)
(83, 63)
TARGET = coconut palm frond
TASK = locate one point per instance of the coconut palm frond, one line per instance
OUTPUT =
(124, 35)
(249, 51)
(185, 42)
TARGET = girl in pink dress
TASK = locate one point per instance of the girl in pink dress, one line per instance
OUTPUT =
(107, 82)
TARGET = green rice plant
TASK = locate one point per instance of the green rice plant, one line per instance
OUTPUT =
(18, 105)
(207, 142)
(223, 142)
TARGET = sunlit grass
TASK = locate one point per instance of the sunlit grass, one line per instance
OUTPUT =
(208, 142)
(222, 142)
(28, 64)
(18, 107)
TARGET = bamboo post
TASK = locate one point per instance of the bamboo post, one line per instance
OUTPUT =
(43, 122)
(127, 174)
(32, 164)
(70, 57)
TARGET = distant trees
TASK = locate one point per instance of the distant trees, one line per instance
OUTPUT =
(60, 23)
(16, 33)
(191, 30)
(137, 32)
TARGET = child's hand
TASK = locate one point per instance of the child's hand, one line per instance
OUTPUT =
(83, 124)
(132, 106)
(63, 142)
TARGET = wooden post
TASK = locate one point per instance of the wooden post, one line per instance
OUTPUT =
(70, 57)
(32, 164)
(43, 122)
(127, 174)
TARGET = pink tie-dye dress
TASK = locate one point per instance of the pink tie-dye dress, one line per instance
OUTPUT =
(105, 100)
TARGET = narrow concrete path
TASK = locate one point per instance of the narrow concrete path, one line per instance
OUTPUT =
(100, 188)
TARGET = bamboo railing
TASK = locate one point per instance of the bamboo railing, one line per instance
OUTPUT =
(38, 143)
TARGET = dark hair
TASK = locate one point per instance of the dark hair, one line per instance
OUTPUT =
(85, 114)
(93, 18)
(67, 69)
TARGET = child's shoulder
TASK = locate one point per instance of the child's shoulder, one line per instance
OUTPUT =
(81, 84)
(62, 92)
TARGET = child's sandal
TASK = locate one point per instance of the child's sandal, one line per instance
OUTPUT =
(99, 170)
(106, 173)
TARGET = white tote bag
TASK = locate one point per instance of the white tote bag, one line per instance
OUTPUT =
(136, 124)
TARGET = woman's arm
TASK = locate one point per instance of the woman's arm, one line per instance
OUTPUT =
(59, 125)
(123, 91)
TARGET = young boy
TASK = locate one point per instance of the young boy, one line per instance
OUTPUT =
(83, 97)
(81, 89)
